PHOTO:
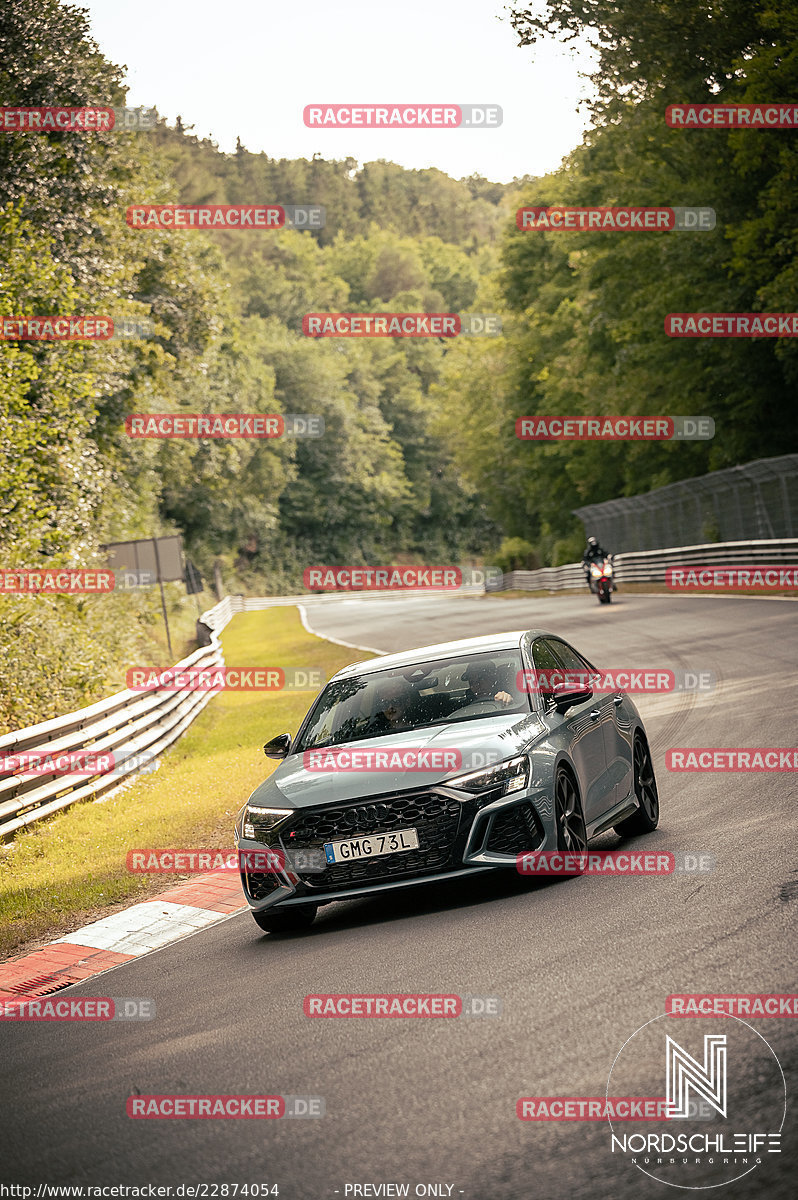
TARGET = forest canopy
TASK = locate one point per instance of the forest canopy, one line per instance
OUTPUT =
(419, 459)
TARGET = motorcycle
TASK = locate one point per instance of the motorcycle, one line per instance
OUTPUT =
(600, 579)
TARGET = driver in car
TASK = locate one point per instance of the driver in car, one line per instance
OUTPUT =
(483, 684)
(394, 701)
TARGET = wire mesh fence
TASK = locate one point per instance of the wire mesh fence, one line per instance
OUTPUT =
(758, 500)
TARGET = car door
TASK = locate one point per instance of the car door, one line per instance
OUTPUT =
(617, 738)
(579, 732)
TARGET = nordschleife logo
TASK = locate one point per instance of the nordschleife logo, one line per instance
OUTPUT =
(685, 1074)
(726, 1102)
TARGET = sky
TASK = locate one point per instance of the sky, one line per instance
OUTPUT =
(248, 67)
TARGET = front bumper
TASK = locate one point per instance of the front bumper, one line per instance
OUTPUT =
(459, 833)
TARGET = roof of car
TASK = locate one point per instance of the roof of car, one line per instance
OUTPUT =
(464, 646)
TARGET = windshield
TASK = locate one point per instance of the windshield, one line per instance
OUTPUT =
(415, 697)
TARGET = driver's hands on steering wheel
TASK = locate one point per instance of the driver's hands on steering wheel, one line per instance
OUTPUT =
(503, 698)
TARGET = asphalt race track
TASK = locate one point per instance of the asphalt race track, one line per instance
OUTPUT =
(578, 965)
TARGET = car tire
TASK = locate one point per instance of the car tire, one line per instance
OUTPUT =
(646, 819)
(571, 830)
(287, 920)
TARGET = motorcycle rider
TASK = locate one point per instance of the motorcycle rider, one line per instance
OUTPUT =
(593, 553)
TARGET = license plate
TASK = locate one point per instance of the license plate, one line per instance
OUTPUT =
(371, 846)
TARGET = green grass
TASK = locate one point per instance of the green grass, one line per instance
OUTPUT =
(70, 869)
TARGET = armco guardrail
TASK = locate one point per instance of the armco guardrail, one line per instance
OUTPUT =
(649, 566)
(134, 727)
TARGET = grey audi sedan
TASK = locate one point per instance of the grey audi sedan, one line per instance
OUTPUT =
(439, 762)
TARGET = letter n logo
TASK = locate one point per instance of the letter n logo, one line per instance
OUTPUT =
(683, 1073)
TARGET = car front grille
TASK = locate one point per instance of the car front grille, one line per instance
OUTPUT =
(515, 830)
(436, 818)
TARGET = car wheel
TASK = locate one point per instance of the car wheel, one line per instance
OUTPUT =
(287, 920)
(571, 831)
(646, 819)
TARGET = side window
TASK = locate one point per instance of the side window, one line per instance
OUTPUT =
(580, 673)
(569, 657)
(545, 660)
(543, 656)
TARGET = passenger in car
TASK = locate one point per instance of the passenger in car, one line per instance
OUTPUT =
(483, 684)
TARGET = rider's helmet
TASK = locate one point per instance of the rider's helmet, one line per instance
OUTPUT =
(591, 541)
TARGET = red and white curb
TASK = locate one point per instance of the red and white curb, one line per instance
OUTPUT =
(125, 935)
(140, 929)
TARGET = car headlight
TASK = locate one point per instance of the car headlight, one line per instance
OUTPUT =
(511, 775)
(266, 819)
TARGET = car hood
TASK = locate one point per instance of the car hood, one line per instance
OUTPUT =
(481, 742)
